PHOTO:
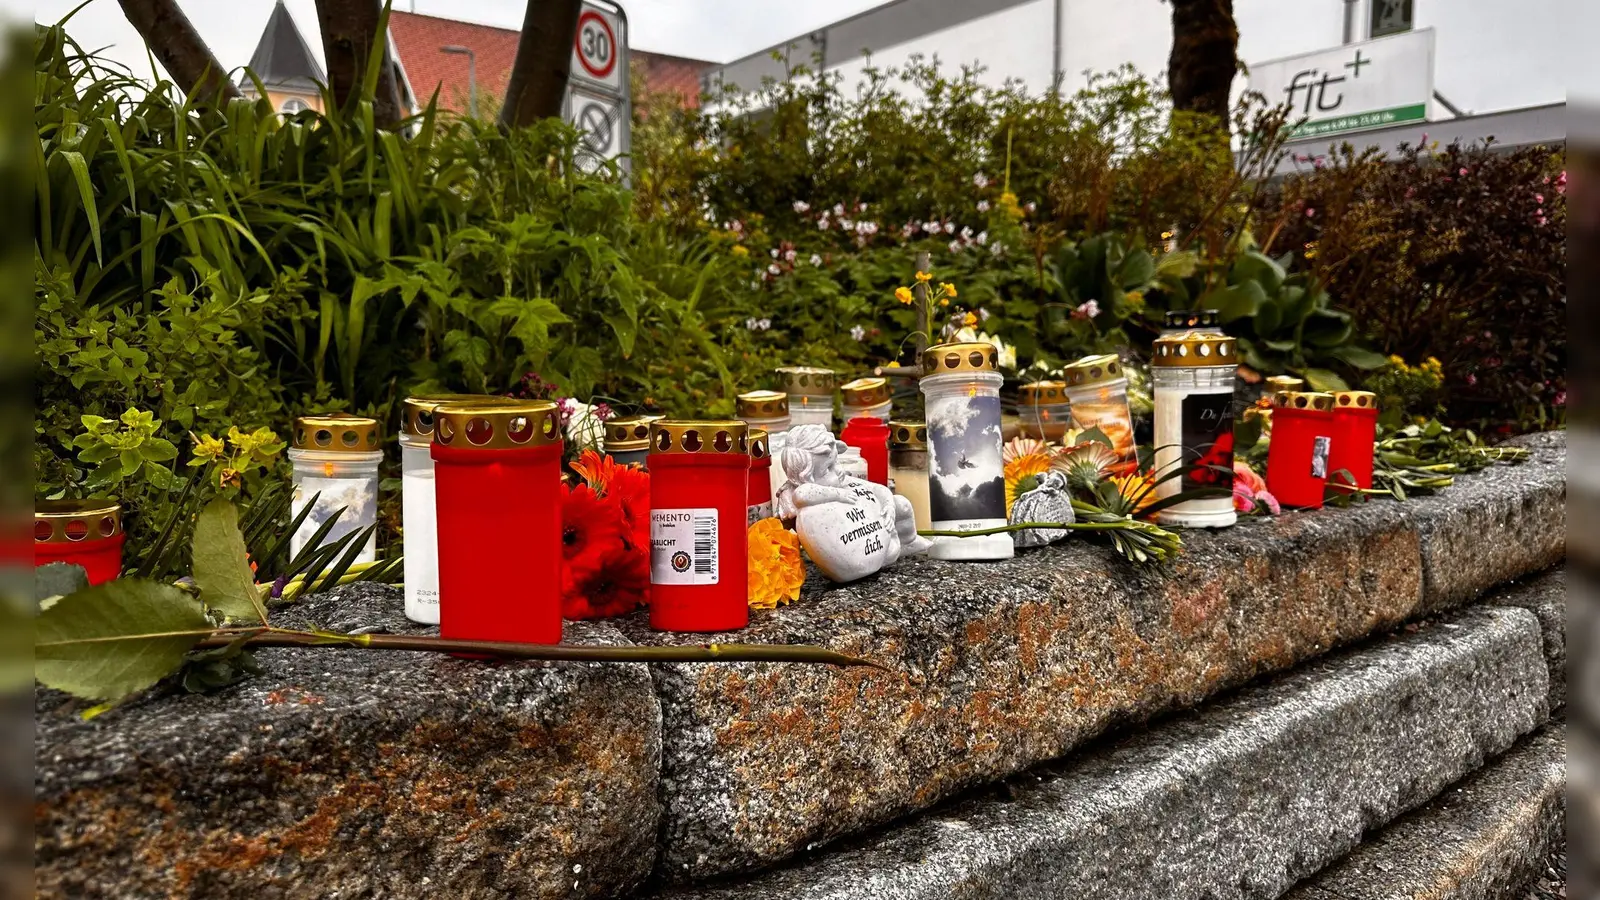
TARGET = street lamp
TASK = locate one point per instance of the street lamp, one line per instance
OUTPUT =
(472, 75)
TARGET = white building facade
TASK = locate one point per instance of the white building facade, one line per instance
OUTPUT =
(1504, 67)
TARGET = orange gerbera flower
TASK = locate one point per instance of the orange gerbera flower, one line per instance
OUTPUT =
(1022, 473)
(1137, 488)
(776, 572)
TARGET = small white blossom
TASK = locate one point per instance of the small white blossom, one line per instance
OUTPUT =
(822, 224)
(983, 206)
(1088, 309)
(930, 227)
(838, 209)
(949, 228)
(800, 206)
(774, 252)
(983, 314)
(983, 238)
(955, 246)
(998, 249)
(764, 324)
(788, 256)
(980, 181)
(966, 233)
(861, 207)
(908, 229)
(858, 333)
(774, 269)
(816, 259)
(867, 228)
(750, 324)
(847, 224)
(1031, 206)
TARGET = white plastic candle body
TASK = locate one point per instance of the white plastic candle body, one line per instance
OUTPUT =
(880, 411)
(421, 530)
(966, 479)
(1194, 432)
(908, 476)
(338, 480)
(851, 463)
(810, 410)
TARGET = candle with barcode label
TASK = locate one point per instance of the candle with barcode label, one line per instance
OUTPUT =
(699, 509)
(1302, 439)
(758, 502)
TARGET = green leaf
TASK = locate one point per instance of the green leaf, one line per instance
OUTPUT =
(1360, 357)
(221, 565)
(1236, 301)
(117, 638)
(1324, 380)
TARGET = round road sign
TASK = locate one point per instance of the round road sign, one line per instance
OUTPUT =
(597, 44)
(594, 120)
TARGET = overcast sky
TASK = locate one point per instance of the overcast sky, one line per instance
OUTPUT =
(718, 30)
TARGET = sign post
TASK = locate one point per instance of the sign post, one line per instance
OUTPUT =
(599, 102)
(1372, 84)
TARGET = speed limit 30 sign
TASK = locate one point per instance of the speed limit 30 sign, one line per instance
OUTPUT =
(598, 48)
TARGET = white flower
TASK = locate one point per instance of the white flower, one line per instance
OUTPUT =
(736, 226)
(861, 207)
(788, 256)
(867, 228)
(858, 333)
(983, 206)
(838, 209)
(982, 238)
(1087, 310)
(584, 426)
(998, 249)
(955, 246)
(983, 314)
(764, 324)
(980, 181)
(751, 324)
(908, 229)
(847, 224)
(774, 252)
(822, 224)
(800, 206)
(930, 227)
(1031, 206)
(774, 269)
(816, 259)
(1006, 352)
(949, 228)
(966, 234)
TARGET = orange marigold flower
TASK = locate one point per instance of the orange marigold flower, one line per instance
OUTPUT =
(776, 572)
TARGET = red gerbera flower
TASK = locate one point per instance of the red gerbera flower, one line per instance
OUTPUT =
(631, 488)
(619, 586)
(591, 529)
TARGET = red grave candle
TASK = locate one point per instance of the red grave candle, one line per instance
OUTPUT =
(85, 533)
(1298, 454)
(497, 478)
(699, 503)
(1355, 435)
(758, 501)
(871, 437)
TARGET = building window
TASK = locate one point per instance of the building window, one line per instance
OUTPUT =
(292, 106)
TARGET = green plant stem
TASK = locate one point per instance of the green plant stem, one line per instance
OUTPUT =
(296, 586)
(277, 637)
(1002, 529)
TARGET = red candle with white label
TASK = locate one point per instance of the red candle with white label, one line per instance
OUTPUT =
(1355, 436)
(871, 437)
(85, 533)
(497, 494)
(699, 504)
(1299, 454)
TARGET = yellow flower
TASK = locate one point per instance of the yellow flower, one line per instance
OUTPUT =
(1021, 475)
(924, 277)
(949, 289)
(1136, 484)
(740, 250)
(970, 320)
(903, 294)
(1134, 299)
(1311, 250)
(1008, 203)
(944, 302)
(776, 572)
(207, 447)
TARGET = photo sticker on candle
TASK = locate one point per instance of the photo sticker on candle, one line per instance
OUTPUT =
(1319, 456)
(683, 546)
(966, 482)
(1207, 429)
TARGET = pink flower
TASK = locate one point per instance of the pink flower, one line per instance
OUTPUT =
(1310, 211)
(1471, 379)
(1087, 310)
(1560, 398)
(1462, 171)
(1539, 199)
(1243, 474)
(1249, 501)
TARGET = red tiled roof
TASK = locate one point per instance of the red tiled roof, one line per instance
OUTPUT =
(417, 39)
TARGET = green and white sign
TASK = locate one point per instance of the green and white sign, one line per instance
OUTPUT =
(1355, 87)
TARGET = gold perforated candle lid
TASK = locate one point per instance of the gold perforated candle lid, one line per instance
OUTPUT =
(703, 437)
(966, 356)
(1192, 319)
(1195, 348)
(762, 404)
(1042, 393)
(907, 435)
(628, 433)
(1355, 400)
(865, 392)
(416, 412)
(75, 521)
(1097, 369)
(760, 444)
(1284, 383)
(806, 381)
(1303, 400)
(504, 425)
(339, 434)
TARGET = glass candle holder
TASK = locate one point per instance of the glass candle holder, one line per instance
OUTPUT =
(1302, 441)
(1193, 375)
(335, 463)
(85, 533)
(1097, 390)
(1355, 434)
(758, 500)
(1044, 411)
(419, 515)
(497, 469)
(870, 437)
(908, 467)
(628, 439)
(851, 463)
(966, 479)
(866, 397)
(810, 393)
(1177, 321)
(768, 411)
(699, 545)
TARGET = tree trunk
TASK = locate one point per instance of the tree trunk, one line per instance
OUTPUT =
(544, 55)
(180, 50)
(1200, 70)
(350, 28)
